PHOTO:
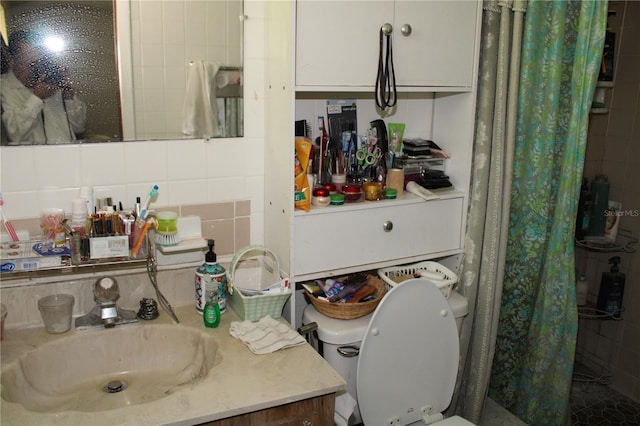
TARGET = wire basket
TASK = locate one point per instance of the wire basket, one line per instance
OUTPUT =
(348, 311)
(256, 287)
(442, 277)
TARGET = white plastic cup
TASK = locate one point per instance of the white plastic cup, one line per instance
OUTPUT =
(56, 311)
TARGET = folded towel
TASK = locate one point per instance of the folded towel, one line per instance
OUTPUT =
(266, 335)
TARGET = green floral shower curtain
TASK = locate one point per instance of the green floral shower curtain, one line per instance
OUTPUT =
(532, 366)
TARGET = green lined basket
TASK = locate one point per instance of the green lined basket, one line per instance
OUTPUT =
(252, 270)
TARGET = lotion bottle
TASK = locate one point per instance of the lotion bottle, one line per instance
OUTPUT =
(612, 289)
(211, 282)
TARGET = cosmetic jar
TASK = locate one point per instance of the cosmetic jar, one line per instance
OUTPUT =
(337, 199)
(372, 191)
(320, 197)
(352, 193)
(338, 180)
(390, 193)
(330, 187)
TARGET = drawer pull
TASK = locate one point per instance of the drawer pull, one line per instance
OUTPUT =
(387, 226)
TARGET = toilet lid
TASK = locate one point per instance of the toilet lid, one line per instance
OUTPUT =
(409, 355)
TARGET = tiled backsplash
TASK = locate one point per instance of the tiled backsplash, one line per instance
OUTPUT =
(177, 285)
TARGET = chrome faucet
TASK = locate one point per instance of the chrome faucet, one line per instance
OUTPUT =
(106, 313)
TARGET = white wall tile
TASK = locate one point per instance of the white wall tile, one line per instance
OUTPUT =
(190, 191)
(102, 163)
(57, 165)
(226, 189)
(19, 168)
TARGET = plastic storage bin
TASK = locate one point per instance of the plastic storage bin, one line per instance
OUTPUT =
(256, 287)
(442, 277)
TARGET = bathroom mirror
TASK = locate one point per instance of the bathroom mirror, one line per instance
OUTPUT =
(130, 62)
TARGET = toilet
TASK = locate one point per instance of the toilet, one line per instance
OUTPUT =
(401, 361)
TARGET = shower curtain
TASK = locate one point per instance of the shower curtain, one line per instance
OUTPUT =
(482, 269)
(533, 362)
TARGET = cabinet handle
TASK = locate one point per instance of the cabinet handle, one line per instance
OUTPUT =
(387, 226)
(387, 28)
(406, 30)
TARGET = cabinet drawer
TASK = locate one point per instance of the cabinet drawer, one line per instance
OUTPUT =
(344, 238)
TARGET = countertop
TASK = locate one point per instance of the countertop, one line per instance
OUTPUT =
(241, 383)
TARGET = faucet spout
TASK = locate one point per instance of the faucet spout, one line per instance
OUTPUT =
(106, 313)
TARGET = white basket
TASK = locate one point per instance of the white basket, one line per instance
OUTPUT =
(252, 270)
(442, 277)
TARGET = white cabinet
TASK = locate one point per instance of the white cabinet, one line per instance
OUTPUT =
(337, 43)
(376, 234)
(318, 50)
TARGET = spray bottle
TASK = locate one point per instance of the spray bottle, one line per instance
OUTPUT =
(211, 282)
(612, 289)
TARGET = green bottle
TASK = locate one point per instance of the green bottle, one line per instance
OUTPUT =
(211, 314)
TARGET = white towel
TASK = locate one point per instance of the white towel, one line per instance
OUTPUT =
(266, 335)
(344, 408)
(199, 112)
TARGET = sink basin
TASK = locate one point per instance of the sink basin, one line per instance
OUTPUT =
(101, 370)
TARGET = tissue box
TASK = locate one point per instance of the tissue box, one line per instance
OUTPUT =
(20, 256)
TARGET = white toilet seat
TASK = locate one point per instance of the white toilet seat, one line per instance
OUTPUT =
(409, 356)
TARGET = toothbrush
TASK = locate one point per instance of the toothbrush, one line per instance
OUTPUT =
(153, 192)
(8, 226)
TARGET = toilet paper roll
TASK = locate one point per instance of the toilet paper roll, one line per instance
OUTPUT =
(395, 180)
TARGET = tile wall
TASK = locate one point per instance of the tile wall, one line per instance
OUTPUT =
(166, 36)
(613, 149)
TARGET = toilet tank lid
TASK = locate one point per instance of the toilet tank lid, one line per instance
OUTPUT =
(336, 331)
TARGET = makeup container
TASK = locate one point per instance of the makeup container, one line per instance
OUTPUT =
(390, 194)
(373, 191)
(352, 193)
(337, 199)
(338, 180)
(320, 197)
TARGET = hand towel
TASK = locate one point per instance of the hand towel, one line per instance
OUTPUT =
(199, 111)
(266, 335)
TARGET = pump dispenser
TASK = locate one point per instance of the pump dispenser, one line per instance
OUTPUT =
(612, 289)
(211, 282)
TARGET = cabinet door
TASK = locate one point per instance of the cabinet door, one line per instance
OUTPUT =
(337, 41)
(440, 49)
(325, 242)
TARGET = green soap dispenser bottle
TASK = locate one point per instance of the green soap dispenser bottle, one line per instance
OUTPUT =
(612, 289)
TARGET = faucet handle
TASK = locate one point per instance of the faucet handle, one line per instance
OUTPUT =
(106, 290)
